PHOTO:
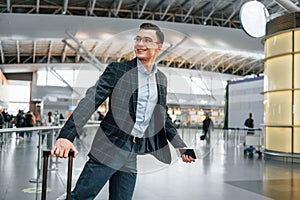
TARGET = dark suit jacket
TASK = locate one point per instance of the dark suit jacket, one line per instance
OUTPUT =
(119, 82)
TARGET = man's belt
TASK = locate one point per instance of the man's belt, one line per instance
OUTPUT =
(135, 140)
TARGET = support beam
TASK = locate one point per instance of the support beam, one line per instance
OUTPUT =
(105, 51)
(64, 54)
(167, 10)
(252, 62)
(239, 68)
(237, 61)
(212, 11)
(77, 57)
(57, 11)
(233, 63)
(31, 10)
(223, 61)
(118, 52)
(27, 59)
(8, 6)
(95, 62)
(170, 61)
(208, 63)
(98, 63)
(100, 68)
(37, 6)
(34, 51)
(66, 2)
(205, 54)
(118, 8)
(189, 12)
(236, 8)
(142, 11)
(59, 77)
(18, 52)
(186, 59)
(250, 69)
(92, 7)
(288, 5)
(50, 51)
(170, 49)
(2, 53)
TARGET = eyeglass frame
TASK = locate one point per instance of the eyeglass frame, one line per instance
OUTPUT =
(138, 39)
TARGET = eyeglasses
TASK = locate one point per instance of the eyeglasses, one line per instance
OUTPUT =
(146, 40)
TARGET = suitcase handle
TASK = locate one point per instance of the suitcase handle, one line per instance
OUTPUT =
(46, 154)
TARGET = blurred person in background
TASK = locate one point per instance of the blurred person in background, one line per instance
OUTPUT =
(19, 122)
(2, 120)
(207, 127)
(29, 121)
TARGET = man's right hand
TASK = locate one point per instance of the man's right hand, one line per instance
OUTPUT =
(62, 148)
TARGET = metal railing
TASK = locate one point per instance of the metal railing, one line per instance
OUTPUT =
(41, 131)
(86, 141)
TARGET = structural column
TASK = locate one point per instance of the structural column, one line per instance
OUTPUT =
(282, 88)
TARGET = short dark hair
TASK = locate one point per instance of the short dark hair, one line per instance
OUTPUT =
(159, 33)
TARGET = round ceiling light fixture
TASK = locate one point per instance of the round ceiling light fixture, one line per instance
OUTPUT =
(254, 17)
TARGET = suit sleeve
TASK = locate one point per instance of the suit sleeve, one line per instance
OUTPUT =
(172, 134)
(94, 97)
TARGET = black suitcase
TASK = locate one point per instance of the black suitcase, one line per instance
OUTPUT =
(202, 137)
(46, 154)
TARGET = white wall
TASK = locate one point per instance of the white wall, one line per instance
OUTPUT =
(246, 96)
(198, 82)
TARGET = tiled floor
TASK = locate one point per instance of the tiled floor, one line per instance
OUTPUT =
(221, 173)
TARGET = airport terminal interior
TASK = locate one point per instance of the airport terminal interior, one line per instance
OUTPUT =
(222, 58)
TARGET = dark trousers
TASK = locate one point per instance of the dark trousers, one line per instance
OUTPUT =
(95, 175)
(207, 135)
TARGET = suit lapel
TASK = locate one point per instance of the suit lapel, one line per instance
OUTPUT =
(160, 84)
(134, 86)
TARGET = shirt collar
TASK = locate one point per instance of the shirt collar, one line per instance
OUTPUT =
(143, 70)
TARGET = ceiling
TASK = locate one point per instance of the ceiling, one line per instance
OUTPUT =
(216, 20)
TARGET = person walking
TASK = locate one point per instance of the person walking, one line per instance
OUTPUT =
(2, 119)
(29, 121)
(19, 122)
(136, 123)
(249, 123)
(207, 127)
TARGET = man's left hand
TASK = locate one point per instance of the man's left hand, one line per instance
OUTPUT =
(187, 159)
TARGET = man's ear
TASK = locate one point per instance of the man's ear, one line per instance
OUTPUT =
(159, 46)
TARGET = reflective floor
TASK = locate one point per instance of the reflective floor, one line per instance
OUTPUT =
(221, 172)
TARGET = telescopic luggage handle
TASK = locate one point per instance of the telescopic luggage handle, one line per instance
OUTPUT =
(46, 154)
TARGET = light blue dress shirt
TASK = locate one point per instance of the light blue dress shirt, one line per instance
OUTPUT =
(147, 99)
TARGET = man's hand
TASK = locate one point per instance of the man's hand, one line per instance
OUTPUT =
(62, 148)
(187, 159)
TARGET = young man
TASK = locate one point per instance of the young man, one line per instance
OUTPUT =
(136, 123)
